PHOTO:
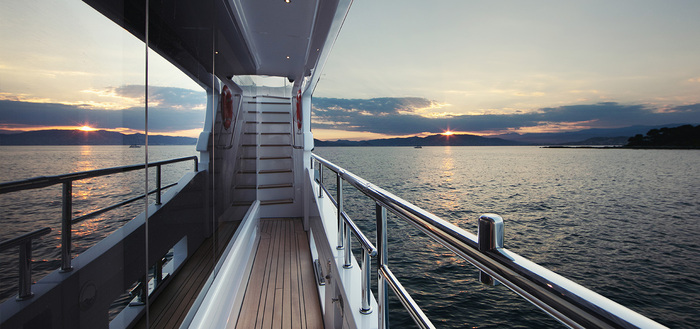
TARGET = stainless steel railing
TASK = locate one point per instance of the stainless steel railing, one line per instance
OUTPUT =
(67, 221)
(346, 226)
(564, 300)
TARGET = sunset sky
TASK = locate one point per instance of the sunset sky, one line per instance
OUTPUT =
(399, 68)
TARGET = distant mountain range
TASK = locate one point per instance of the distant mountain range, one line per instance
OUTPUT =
(614, 136)
(582, 137)
(99, 137)
(432, 140)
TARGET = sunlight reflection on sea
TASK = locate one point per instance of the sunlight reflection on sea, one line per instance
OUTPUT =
(29, 210)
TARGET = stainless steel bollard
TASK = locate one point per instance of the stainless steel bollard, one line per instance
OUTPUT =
(490, 238)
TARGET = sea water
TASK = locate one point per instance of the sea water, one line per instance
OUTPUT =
(624, 223)
(29, 210)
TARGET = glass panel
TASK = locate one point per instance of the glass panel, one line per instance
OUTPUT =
(71, 100)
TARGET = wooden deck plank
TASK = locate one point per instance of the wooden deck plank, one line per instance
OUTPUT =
(294, 282)
(169, 309)
(266, 316)
(282, 289)
(310, 293)
(279, 279)
(248, 314)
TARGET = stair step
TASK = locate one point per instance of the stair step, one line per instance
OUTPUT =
(272, 145)
(275, 112)
(269, 186)
(275, 122)
(275, 171)
(270, 202)
(274, 158)
(275, 134)
(269, 103)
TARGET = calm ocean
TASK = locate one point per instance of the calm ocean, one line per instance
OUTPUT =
(624, 223)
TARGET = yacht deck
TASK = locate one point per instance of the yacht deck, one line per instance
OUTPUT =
(281, 292)
(170, 307)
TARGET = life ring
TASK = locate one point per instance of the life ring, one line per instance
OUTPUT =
(226, 106)
(299, 109)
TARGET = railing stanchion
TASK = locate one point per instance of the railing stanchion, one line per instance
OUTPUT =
(348, 246)
(158, 185)
(382, 260)
(341, 221)
(66, 226)
(320, 180)
(158, 273)
(490, 237)
(25, 270)
(366, 281)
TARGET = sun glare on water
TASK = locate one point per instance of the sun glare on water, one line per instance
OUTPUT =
(87, 128)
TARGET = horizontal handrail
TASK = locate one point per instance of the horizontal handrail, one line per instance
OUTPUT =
(24, 242)
(24, 238)
(366, 244)
(409, 304)
(44, 181)
(117, 205)
(364, 241)
(566, 301)
(66, 212)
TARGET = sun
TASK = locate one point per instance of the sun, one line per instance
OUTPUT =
(448, 133)
(87, 128)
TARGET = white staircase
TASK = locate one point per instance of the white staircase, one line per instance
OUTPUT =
(266, 167)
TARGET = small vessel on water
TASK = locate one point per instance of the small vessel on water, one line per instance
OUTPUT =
(253, 235)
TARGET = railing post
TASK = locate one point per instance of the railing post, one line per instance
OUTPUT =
(158, 273)
(66, 226)
(341, 221)
(25, 270)
(196, 164)
(382, 260)
(366, 280)
(140, 292)
(348, 246)
(320, 180)
(490, 237)
(158, 185)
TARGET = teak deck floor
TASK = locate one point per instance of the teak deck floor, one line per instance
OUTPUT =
(169, 309)
(281, 291)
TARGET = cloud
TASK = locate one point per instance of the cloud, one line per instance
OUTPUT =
(167, 97)
(170, 109)
(399, 116)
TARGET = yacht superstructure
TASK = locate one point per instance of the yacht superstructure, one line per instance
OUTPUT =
(280, 242)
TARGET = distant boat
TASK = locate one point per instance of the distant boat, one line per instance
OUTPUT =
(417, 147)
(134, 146)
